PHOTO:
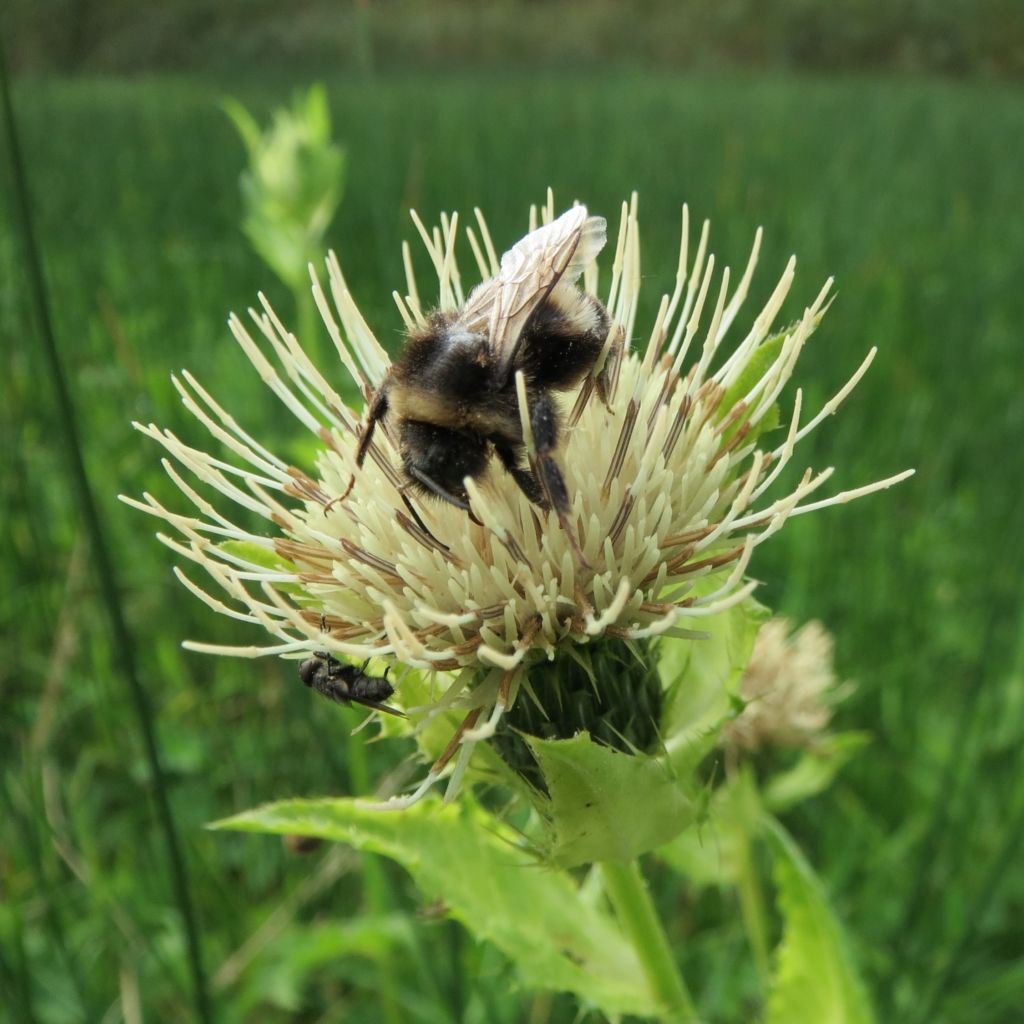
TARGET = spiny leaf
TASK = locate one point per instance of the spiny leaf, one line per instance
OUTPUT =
(459, 854)
(815, 980)
(607, 805)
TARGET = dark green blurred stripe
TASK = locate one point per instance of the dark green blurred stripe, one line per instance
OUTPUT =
(110, 591)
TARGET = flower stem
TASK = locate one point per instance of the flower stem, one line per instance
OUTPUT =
(748, 812)
(628, 892)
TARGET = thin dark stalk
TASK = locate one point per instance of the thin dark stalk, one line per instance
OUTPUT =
(109, 589)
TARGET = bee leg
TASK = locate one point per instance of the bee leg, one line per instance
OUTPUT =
(429, 484)
(378, 409)
(527, 482)
(607, 377)
(545, 426)
(419, 520)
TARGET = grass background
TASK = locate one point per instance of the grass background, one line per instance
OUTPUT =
(908, 190)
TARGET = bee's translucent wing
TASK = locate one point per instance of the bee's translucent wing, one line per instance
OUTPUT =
(503, 305)
(378, 706)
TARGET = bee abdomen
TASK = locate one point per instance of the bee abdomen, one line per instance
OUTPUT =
(370, 688)
(564, 339)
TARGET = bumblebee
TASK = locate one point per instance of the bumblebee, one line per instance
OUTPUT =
(452, 395)
(346, 684)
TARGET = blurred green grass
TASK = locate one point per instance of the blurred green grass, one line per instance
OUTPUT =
(907, 191)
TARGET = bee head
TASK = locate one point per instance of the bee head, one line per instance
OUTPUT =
(308, 669)
(438, 459)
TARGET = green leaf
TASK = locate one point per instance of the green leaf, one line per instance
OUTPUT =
(607, 805)
(815, 980)
(288, 963)
(258, 554)
(292, 185)
(814, 772)
(702, 675)
(317, 114)
(459, 854)
(756, 367)
(708, 854)
(266, 559)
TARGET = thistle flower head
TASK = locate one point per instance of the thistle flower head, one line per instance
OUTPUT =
(669, 480)
(788, 689)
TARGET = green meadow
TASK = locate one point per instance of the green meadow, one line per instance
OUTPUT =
(908, 191)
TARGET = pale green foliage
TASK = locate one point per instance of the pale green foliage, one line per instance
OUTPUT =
(815, 980)
(293, 184)
(610, 806)
(294, 957)
(814, 772)
(701, 676)
(707, 855)
(558, 936)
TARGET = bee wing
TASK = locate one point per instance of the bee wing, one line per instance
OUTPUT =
(503, 305)
(377, 706)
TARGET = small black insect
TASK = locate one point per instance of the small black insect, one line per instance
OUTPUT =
(346, 684)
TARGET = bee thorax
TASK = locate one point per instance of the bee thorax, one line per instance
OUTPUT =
(430, 405)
